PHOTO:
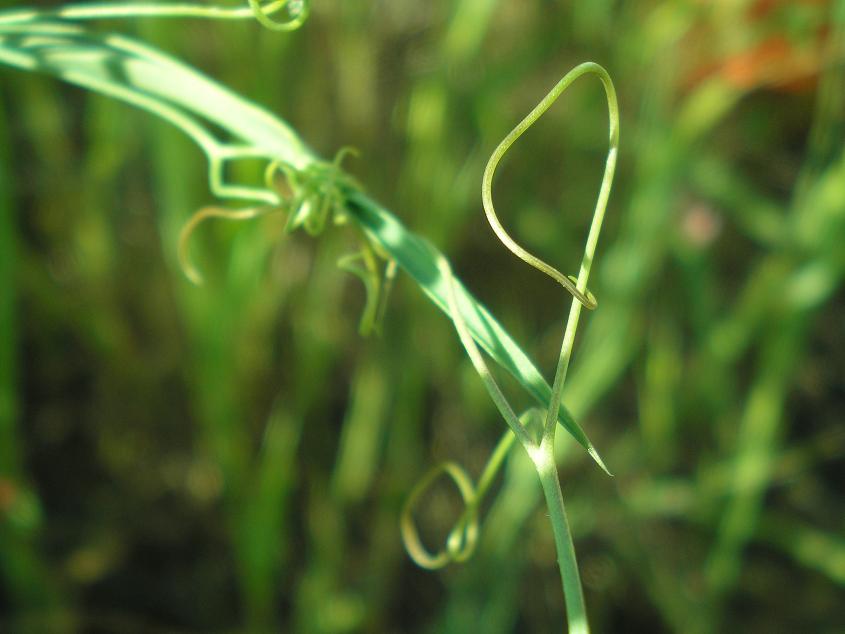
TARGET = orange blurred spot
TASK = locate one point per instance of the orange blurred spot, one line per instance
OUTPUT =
(8, 495)
(774, 62)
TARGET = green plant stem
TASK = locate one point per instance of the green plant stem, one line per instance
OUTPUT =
(543, 457)
(478, 361)
(107, 10)
(576, 609)
(542, 451)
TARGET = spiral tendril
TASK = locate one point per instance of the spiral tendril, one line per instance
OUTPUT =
(570, 283)
(297, 10)
(463, 537)
(187, 266)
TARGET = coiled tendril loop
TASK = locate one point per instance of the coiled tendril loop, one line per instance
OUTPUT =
(311, 196)
(297, 10)
(463, 537)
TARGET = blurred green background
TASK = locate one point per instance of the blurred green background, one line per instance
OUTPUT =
(234, 457)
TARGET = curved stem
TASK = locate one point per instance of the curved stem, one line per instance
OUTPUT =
(542, 455)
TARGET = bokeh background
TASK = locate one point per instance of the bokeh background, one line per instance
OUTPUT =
(234, 457)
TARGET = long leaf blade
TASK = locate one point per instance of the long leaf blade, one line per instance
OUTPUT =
(125, 69)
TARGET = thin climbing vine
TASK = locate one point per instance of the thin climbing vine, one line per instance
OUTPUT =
(316, 194)
(537, 442)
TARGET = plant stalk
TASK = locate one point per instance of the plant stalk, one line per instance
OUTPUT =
(576, 610)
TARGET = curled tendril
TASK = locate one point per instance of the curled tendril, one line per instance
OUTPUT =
(248, 213)
(462, 539)
(297, 10)
(364, 265)
(188, 268)
(570, 283)
(319, 193)
(313, 197)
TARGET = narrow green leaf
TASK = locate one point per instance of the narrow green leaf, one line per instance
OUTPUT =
(130, 71)
(419, 258)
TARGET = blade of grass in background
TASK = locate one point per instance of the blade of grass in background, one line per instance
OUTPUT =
(25, 576)
(817, 218)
